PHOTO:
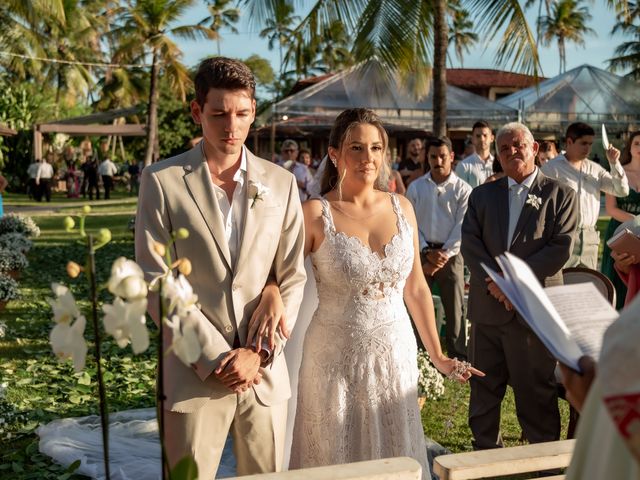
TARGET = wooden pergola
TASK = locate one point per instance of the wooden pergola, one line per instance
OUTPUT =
(93, 124)
(6, 131)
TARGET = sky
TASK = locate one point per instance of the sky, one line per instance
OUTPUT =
(598, 48)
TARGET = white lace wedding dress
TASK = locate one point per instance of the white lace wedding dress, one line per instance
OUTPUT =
(357, 385)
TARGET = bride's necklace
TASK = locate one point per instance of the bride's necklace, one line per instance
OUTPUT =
(355, 218)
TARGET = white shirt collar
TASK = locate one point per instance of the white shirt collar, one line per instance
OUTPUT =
(527, 182)
(450, 179)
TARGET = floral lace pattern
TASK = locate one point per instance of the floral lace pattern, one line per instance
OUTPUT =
(357, 391)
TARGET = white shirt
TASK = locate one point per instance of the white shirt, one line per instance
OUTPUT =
(45, 171)
(32, 170)
(233, 213)
(474, 170)
(302, 174)
(517, 199)
(107, 168)
(440, 209)
(588, 182)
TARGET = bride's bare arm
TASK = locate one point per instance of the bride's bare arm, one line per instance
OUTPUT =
(269, 315)
(417, 296)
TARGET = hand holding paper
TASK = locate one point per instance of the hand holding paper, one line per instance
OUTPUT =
(570, 319)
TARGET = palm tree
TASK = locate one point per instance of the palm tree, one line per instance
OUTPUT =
(401, 34)
(627, 54)
(144, 32)
(278, 28)
(567, 23)
(221, 16)
(462, 35)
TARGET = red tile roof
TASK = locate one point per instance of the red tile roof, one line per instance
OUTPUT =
(485, 77)
(458, 77)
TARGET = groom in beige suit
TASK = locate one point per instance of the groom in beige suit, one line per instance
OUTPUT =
(245, 222)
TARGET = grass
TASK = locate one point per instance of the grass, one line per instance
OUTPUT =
(39, 389)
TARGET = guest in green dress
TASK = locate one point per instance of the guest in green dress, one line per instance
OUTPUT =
(623, 209)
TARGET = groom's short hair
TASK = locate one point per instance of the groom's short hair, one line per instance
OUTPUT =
(224, 73)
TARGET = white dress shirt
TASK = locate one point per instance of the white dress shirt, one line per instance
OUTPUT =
(518, 194)
(588, 182)
(32, 170)
(474, 170)
(233, 213)
(440, 209)
(302, 174)
(107, 168)
(45, 171)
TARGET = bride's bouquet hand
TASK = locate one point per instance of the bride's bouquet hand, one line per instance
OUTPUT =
(457, 370)
(268, 316)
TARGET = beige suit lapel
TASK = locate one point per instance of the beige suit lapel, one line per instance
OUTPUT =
(252, 217)
(198, 182)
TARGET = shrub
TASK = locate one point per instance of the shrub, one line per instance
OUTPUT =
(15, 241)
(12, 260)
(16, 223)
(8, 288)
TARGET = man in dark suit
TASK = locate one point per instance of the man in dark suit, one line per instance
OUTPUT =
(534, 218)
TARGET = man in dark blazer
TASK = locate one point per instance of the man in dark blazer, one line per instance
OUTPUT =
(534, 218)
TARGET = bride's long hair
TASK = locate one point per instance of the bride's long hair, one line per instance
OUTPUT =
(344, 123)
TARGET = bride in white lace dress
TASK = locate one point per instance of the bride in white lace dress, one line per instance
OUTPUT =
(357, 385)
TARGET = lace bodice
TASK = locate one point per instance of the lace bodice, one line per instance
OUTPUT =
(343, 260)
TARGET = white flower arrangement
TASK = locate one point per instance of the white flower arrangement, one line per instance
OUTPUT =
(12, 260)
(430, 380)
(15, 241)
(8, 288)
(16, 223)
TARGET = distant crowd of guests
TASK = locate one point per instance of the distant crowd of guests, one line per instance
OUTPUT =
(84, 173)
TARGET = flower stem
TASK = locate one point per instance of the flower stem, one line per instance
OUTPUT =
(104, 416)
(166, 471)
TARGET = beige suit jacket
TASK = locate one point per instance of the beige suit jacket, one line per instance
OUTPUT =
(178, 192)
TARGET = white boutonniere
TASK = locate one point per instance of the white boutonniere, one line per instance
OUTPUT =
(534, 201)
(257, 191)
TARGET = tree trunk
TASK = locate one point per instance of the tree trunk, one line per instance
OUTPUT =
(152, 116)
(562, 60)
(440, 68)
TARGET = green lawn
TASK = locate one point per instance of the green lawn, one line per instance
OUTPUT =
(39, 389)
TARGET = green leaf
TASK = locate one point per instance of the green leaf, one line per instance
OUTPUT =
(84, 379)
(186, 469)
(74, 466)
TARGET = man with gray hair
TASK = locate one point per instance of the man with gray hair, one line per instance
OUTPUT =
(537, 225)
(289, 158)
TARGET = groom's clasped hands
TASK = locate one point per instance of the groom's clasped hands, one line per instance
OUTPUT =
(241, 367)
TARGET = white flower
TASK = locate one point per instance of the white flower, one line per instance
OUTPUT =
(3, 329)
(67, 341)
(534, 201)
(64, 305)
(179, 293)
(3, 391)
(127, 279)
(185, 343)
(257, 191)
(125, 322)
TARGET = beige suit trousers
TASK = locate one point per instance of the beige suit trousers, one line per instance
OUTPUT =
(258, 434)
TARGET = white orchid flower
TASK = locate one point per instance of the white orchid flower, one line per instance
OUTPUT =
(125, 322)
(185, 344)
(64, 305)
(127, 279)
(179, 293)
(67, 341)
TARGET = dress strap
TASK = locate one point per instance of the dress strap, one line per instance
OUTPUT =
(397, 209)
(327, 218)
